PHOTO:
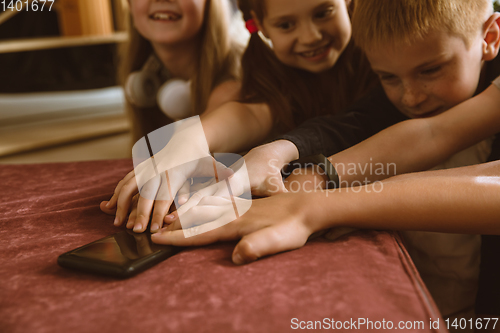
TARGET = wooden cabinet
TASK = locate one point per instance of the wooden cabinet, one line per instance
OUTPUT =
(87, 26)
(60, 134)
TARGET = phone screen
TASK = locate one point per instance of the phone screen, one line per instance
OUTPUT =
(122, 254)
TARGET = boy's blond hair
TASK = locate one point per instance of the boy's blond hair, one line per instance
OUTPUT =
(405, 21)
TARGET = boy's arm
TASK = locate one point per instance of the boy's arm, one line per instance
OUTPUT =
(331, 134)
(327, 135)
(461, 200)
(409, 146)
(420, 144)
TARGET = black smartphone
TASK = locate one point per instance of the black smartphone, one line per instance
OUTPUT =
(122, 255)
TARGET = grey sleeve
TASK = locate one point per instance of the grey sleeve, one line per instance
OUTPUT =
(329, 135)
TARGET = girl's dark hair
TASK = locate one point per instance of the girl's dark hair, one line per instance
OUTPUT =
(294, 95)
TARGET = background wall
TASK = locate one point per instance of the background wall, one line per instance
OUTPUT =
(58, 103)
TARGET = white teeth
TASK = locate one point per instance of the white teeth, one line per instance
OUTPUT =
(164, 16)
(314, 53)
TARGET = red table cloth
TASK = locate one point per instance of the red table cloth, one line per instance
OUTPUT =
(48, 209)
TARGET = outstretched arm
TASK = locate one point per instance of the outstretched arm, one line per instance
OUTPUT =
(409, 146)
(462, 200)
(420, 144)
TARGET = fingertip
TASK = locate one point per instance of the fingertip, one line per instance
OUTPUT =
(245, 252)
(138, 228)
(237, 259)
(116, 222)
(155, 228)
(182, 200)
(169, 218)
(159, 237)
(158, 233)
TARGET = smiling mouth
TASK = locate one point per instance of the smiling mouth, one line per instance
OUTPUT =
(164, 16)
(318, 51)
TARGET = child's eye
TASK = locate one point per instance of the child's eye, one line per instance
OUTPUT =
(387, 78)
(284, 25)
(431, 70)
(324, 13)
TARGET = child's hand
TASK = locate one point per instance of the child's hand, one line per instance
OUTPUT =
(126, 188)
(306, 179)
(264, 164)
(156, 195)
(238, 182)
(183, 155)
(272, 225)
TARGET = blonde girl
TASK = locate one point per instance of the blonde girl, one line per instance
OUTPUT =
(186, 39)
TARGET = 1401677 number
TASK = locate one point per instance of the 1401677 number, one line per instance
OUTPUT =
(479, 323)
(19, 5)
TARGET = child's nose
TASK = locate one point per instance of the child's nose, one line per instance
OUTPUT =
(413, 96)
(310, 34)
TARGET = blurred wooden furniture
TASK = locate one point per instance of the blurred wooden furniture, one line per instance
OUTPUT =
(89, 32)
(109, 147)
(60, 135)
(63, 126)
(85, 17)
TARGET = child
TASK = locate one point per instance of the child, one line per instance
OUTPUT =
(166, 40)
(308, 71)
(310, 67)
(427, 64)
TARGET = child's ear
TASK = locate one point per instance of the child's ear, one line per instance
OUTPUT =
(259, 24)
(491, 41)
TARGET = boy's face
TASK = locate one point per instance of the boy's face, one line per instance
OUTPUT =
(429, 76)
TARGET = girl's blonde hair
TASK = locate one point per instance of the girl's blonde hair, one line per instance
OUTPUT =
(295, 95)
(219, 61)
